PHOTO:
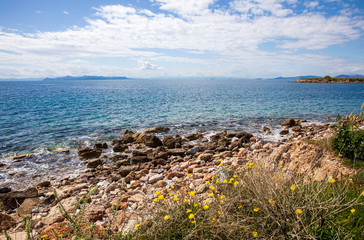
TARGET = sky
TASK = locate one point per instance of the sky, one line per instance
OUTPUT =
(181, 38)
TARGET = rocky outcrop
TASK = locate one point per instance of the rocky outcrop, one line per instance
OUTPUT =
(158, 129)
(12, 200)
(89, 153)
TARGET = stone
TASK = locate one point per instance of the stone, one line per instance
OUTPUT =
(170, 142)
(124, 162)
(139, 159)
(158, 129)
(89, 153)
(119, 148)
(176, 152)
(135, 184)
(118, 157)
(257, 145)
(54, 215)
(297, 128)
(21, 157)
(94, 212)
(284, 132)
(160, 184)
(265, 128)
(127, 138)
(6, 221)
(205, 157)
(125, 170)
(149, 140)
(101, 145)
(5, 190)
(159, 161)
(175, 174)
(11, 200)
(193, 150)
(112, 187)
(16, 236)
(155, 178)
(289, 122)
(201, 188)
(27, 206)
(192, 137)
(94, 163)
(44, 184)
(138, 197)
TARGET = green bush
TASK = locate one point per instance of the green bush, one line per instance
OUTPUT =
(349, 138)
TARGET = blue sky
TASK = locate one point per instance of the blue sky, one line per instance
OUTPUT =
(174, 38)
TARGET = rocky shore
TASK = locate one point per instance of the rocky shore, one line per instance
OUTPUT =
(146, 164)
(330, 80)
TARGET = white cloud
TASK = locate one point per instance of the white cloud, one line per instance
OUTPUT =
(65, 12)
(38, 12)
(233, 36)
(311, 4)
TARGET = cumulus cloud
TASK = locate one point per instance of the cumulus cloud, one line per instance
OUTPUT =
(117, 31)
(65, 12)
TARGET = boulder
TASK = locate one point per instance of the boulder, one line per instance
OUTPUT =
(289, 122)
(119, 148)
(54, 215)
(284, 132)
(193, 150)
(27, 206)
(155, 178)
(171, 142)
(149, 140)
(94, 213)
(95, 163)
(21, 157)
(5, 189)
(101, 145)
(157, 129)
(6, 221)
(176, 152)
(192, 137)
(89, 153)
(205, 157)
(125, 170)
(139, 159)
(127, 138)
(118, 157)
(12, 200)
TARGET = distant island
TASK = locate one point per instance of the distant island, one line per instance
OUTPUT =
(328, 79)
(85, 78)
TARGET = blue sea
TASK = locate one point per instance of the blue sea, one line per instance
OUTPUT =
(40, 116)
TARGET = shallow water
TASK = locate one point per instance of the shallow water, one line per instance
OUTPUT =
(38, 117)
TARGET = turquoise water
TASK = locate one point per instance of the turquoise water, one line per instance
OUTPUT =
(59, 113)
(37, 117)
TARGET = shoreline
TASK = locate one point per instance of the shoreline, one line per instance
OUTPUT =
(330, 80)
(148, 163)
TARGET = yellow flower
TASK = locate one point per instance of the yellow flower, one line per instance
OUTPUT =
(212, 177)
(193, 221)
(212, 187)
(191, 216)
(247, 159)
(136, 226)
(205, 207)
(244, 185)
(219, 212)
(220, 164)
(166, 217)
(352, 210)
(222, 201)
(169, 189)
(235, 176)
(188, 175)
(257, 173)
(155, 200)
(161, 197)
(299, 211)
(206, 201)
(270, 201)
(240, 207)
(192, 193)
(172, 187)
(222, 197)
(217, 175)
(350, 180)
(44, 236)
(220, 160)
(225, 166)
(211, 194)
(157, 193)
(213, 219)
(254, 233)
(188, 211)
(293, 187)
(280, 166)
(171, 194)
(184, 200)
(332, 180)
(175, 198)
(236, 183)
(256, 209)
(362, 193)
(195, 205)
(225, 181)
(207, 182)
(218, 180)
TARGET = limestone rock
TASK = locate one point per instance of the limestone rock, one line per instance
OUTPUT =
(55, 215)
(158, 129)
(289, 122)
(6, 221)
(94, 163)
(149, 140)
(27, 206)
(11, 200)
(89, 153)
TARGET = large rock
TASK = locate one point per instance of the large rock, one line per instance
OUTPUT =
(125, 170)
(119, 148)
(94, 213)
(6, 221)
(192, 137)
(149, 140)
(94, 163)
(102, 145)
(12, 200)
(157, 129)
(54, 215)
(89, 153)
(289, 122)
(127, 138)
(139, 159)
(176, 152)
(27, 206)
(172, 142)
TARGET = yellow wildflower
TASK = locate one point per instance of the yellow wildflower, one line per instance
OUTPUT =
(350, 180)
(219, 212)
(332, 180)
(240, 207)
(136, 226)
(293, 187)
(270, 201)
(175, 198)
(184, 200)
(352, 210)
(44, 236)
(222, 201)
(256, 209)
(217, 175)
(166, 217)
(213, 219)
(195, 205)
(299, 211)
(254, 233)
(207, 182)
(161, 197)
(206, 201)
(222, 197)
(225, 181)
(188, 175)
(257, 173)
(220, 164)
(155, 200)
(188, 211)
(192, 193)
(362, 193)
(211, 194)
(205, 207)
(212, 187)
(217, 180)
(191, 216)
(236, 183)
(157, 193)
(193, 221)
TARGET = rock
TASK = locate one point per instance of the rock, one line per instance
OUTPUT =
(205, 157)
(175, 174)
(125, 170)
(171, 142)
(139, 159)
(159, 161)
(176, 152)
(11, 200)
(137, 153)
(6, 221)
(16, 236)
(160, 184)
(257, 145)
(21, 157)
(265, 128)
(44, 184)
(54, 215)
(27, 206)
(135, 184)
(112, 187)
(193, 150)
(94, 163)
(155, 178)
(289, 122)
(138, 197)
(5, 189)
(119, 148)
(101, 145)
(297, 128)
(94, 213)
(89, 153)
(157, 129)
(118, 157)
(124, 162)
(192, 137)
(284, 132)
(127, 138)
(201, 188)
(149, 140)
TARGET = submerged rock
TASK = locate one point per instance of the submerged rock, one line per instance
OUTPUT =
(157, 129)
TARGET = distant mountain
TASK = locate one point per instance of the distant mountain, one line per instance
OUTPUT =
(298, 77)
(350, 76)
(84, 78)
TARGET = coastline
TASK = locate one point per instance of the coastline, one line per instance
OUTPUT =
(148, 163)
(330, 80)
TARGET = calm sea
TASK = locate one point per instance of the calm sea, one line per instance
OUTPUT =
(40, 116)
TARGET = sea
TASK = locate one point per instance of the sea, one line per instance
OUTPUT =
(42, 117)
